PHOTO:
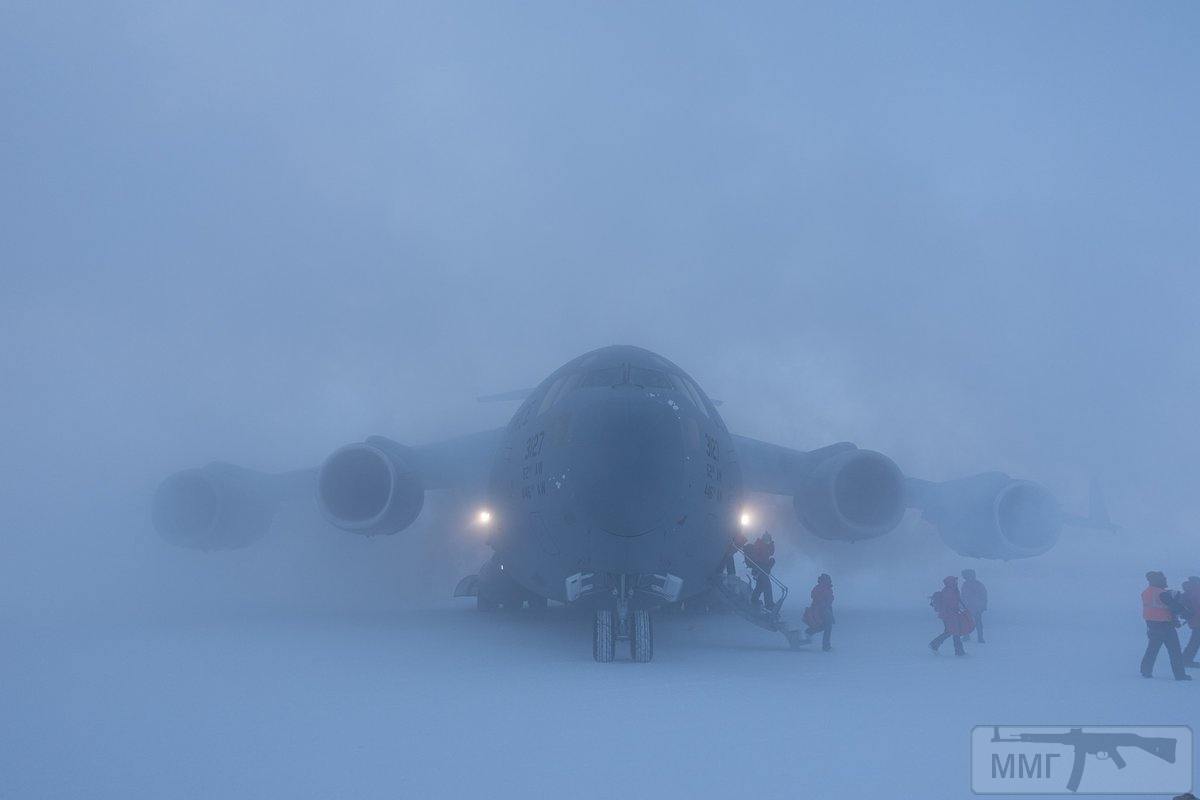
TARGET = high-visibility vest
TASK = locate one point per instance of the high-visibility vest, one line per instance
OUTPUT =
(1153, 608)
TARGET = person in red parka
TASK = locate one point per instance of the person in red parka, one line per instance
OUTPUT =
(1191, 598)
(956, 620)
(819, 615)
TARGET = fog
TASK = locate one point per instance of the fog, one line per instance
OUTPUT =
(965, 237)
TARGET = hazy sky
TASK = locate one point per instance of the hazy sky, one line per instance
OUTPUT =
(965, 236)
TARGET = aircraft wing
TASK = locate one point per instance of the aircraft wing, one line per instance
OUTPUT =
(775, 469)
(372, 487)
(844, 493)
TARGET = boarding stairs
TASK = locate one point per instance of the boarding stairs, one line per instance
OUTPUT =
(735, 591)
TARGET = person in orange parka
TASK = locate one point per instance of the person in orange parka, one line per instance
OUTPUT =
(1159, 613)
(956, 620)
(1191, 598)
(819, 615)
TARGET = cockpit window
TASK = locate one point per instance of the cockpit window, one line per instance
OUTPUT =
(649, 378)
(608, 376)
(628, 375)
(557, 391)
(551, 394)
(689, 389)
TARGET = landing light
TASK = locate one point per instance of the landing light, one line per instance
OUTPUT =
(745, 519)
(484, 517)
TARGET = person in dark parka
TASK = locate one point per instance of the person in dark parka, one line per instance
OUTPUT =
(762, 554)
(736, 543)
(1191, 599)
(819, 616)
(975, 598)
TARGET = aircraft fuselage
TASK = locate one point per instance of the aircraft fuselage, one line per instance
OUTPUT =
(616, 465)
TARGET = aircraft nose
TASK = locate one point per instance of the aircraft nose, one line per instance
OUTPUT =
(632, 453)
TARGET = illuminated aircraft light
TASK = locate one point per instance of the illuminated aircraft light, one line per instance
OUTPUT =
(484, 517)
(745, 519)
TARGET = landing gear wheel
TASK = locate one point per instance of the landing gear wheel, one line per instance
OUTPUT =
(641, 636)
(604, 644)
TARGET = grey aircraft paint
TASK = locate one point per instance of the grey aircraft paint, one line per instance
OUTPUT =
(617, 464)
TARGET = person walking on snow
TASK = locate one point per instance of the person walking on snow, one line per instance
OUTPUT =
(956, 620)
(975, 598)
(1160, 626)
(819, 616)
(1191, 602)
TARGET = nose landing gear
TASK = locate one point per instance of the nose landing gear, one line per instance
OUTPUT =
(604, 643)
(641, 636)
(623, 624)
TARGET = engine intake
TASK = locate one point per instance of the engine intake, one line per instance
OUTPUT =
(853, 495)
(370, 488)
(995, 516)
(218, 507)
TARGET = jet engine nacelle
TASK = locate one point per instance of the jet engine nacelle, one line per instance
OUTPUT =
(217, 507)
(994, 516)
(370, 488)
(852, 495)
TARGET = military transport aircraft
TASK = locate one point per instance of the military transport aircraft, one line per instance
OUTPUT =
(616, 487)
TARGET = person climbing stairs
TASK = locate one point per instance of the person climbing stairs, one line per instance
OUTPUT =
(738, 594)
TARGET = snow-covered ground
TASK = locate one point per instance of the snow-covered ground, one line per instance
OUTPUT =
(247, 699)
